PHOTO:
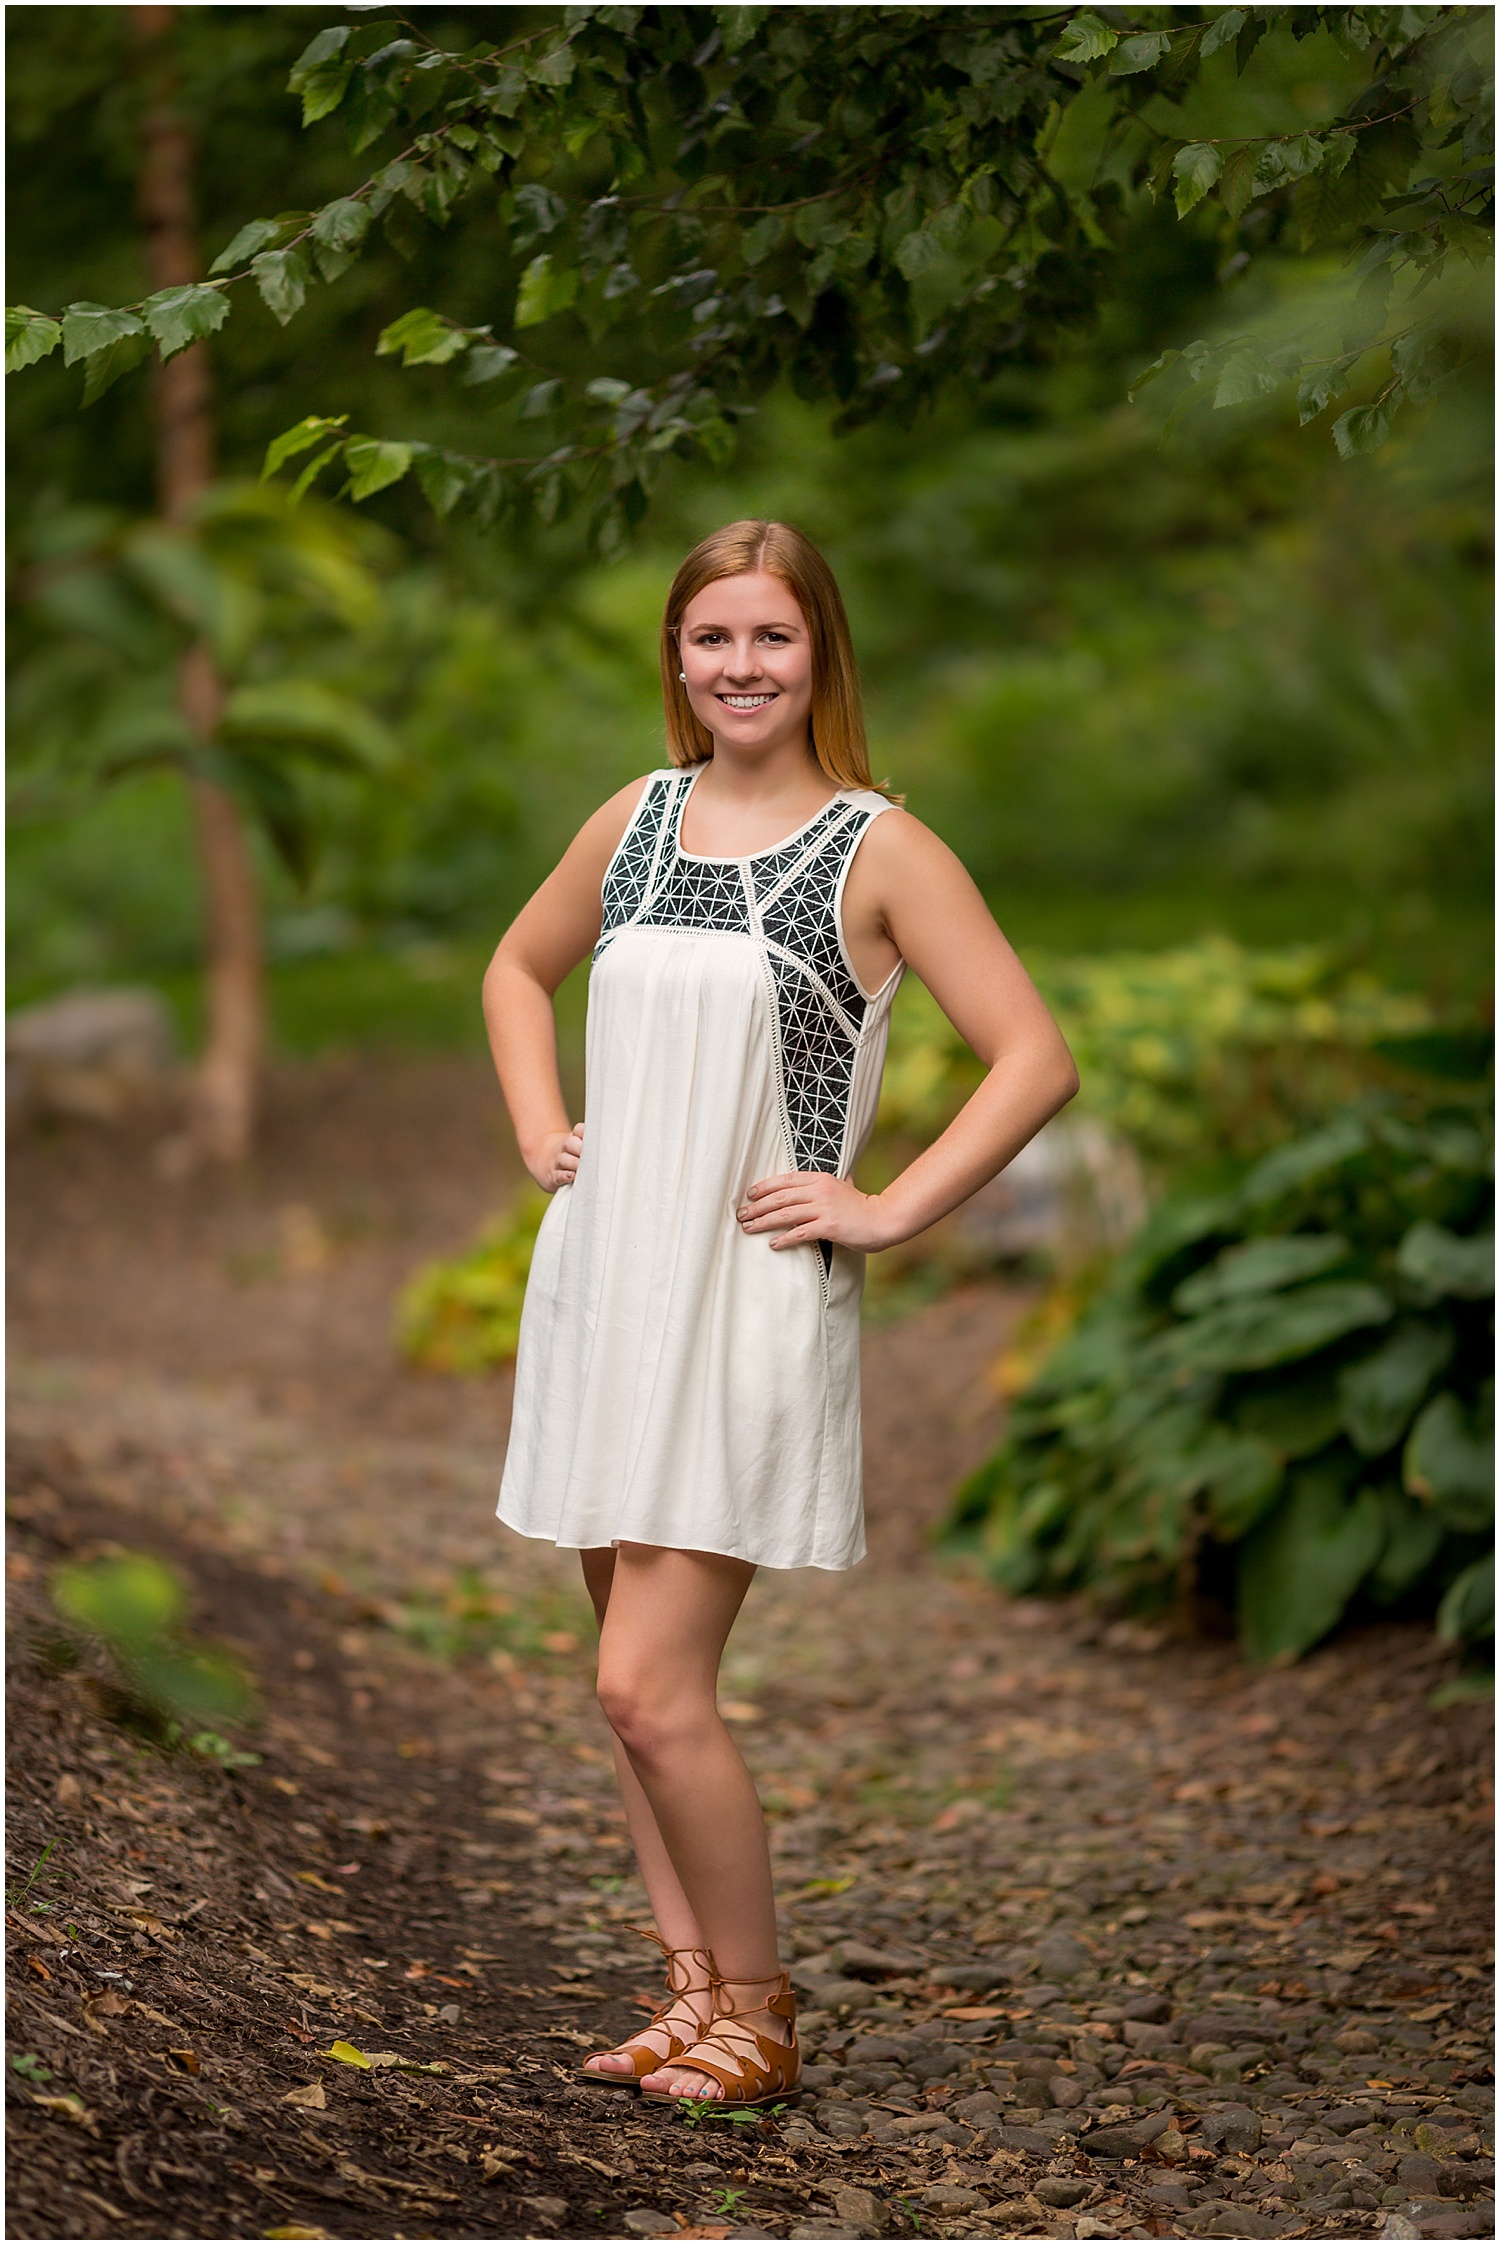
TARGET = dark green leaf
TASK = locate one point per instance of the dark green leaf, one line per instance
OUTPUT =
(89, 328)
(373, 465)
(538, 212)
(1086, 39)
(29, 336)
(338, 230)
(1450, 1463)
(246, 243)
(1224, 27)
(1468, 1607)
(1413, 1537)
(1241, 1477)
(303, 717)
(1247, 374)
(323, 90)
(739, 26)
(444, 480)
(1260, 1266)
(313, 430)
(1297, 1410)
(487, 362)
(282, 276)
(1363, 429)
(1237, 181)
(1195, 168)
(180, 316)
(545, 290)
(1305, 1160)
(423, 338)
(1143, 52)
(1300, 1566)
(1380, 1393)
(319, 51)
(1438, 1262)
(1245, 1336)
(1320, 385)
(106, 366)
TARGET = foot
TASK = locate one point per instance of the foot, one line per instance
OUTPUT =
(730, 2040)
(681, 2022)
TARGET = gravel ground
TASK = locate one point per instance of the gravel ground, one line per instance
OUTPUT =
(1097, 1932)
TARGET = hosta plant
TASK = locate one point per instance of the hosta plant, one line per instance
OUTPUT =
(1283, 1395)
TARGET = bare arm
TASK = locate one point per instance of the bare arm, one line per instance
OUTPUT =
(908, 895)
(543, 944)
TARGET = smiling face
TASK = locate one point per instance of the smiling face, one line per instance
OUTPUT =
(747, 655)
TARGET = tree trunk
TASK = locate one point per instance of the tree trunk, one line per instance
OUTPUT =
(226, 1093)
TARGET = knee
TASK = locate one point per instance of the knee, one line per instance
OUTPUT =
(647, 1720)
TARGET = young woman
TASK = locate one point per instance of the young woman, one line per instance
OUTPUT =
(687, 1388)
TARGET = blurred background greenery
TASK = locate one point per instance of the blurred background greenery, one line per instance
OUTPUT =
(1226, 683)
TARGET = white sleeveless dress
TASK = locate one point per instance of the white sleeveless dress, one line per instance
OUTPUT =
(677, 1382)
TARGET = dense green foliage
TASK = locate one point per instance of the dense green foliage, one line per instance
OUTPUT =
(684, 208)
(1283, 1395)
(1192, 1054)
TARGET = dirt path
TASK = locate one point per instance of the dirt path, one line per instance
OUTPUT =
(1097, 1935)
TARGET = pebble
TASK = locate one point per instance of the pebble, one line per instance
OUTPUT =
(1232, 2128)
(647, 2221)
(861, 2208)
(951, 2198)
(1063, 1957)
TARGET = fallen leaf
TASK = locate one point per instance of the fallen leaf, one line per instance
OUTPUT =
(297, 2229)
(39, 1968)
(512, 1816)
(290, 1785)
(975, 2011)
(186, 2061)
(315, 1878)
(73, 2108)
(310, 2097)
(311, 1986)
(1429, 2012)
(347, 2055)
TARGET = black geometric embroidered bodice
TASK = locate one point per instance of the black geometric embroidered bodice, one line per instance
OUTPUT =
(786, 901)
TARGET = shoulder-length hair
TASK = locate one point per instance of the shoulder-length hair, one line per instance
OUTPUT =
(838, 724)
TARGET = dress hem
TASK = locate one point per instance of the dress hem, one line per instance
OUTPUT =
(713, 1551)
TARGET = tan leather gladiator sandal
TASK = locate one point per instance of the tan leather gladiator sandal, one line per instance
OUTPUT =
(750, 2068)
(646, 2057)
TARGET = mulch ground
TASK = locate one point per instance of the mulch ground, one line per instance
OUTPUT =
(1098, 1933)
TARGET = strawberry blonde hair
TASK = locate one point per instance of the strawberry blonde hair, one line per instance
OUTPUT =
(741, 548)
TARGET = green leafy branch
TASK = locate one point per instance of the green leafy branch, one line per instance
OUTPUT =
(692, 205)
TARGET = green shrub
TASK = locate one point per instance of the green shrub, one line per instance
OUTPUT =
(1283, 1394)
(1193, 1054)
(462, 1313)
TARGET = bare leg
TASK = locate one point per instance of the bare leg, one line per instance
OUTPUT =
(670, 1908)
(666, 1619)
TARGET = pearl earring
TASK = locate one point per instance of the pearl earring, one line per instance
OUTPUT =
(682, 674)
